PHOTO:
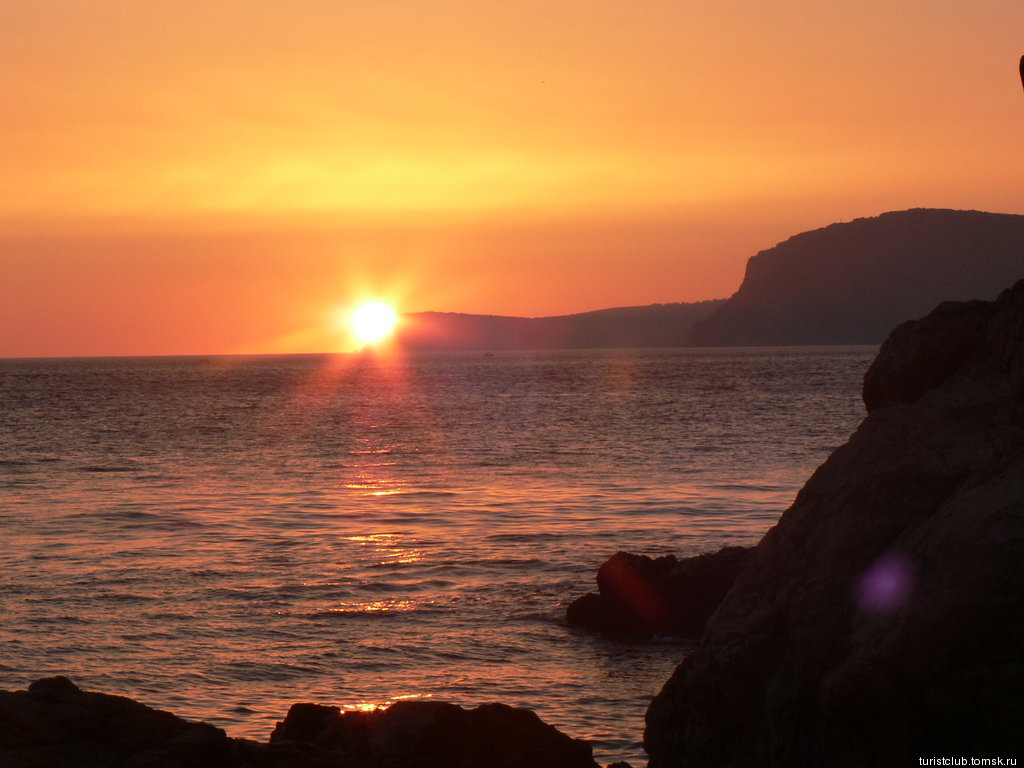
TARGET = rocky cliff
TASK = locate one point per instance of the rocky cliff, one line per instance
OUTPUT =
(851, 283)
(882, 618)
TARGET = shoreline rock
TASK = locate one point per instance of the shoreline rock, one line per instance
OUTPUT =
(433, 733)
(54, 724)
(640, 598)
(882, 618)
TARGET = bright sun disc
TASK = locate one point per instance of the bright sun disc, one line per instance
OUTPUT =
(373, 321)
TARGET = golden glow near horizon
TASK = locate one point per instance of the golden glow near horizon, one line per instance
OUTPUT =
(512, 158)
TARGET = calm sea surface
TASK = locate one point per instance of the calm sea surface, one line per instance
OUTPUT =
(222, 537)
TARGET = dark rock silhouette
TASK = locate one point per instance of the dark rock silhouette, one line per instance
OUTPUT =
(642, 597)
(882, 618)
(851, 283)
(433, 733)
(656, 325)
(54, 724)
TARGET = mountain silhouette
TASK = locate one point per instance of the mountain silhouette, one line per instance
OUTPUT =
(847, 283)
(851, 283)
(655, 325)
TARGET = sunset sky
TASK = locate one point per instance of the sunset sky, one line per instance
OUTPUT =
(214, 177)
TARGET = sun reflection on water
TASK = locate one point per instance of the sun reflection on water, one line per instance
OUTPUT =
(378, 606)
(388, 548)
(374, 488)
(374, 706)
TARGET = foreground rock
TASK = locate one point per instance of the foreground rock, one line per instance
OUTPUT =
(882, 619)
(54, 724)
(432, 733)
(642, 597)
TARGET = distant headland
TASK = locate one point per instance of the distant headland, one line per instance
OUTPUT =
(847, 283)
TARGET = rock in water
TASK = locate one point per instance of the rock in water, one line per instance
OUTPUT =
(54, 724)
(641, 597)
(434, 734)
(882, 618)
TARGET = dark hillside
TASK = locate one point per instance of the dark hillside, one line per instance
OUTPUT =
(656, 325)
(850, 283)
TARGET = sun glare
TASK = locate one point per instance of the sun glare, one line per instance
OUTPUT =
(373, 322)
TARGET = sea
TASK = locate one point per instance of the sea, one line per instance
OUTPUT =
(223, 536)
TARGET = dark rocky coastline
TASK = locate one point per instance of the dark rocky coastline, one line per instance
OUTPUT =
(54, 724)
(882, 619)
(640, 598)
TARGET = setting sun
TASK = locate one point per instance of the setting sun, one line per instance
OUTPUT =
(373, 322)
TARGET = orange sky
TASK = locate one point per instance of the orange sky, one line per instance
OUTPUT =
(219, 176)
